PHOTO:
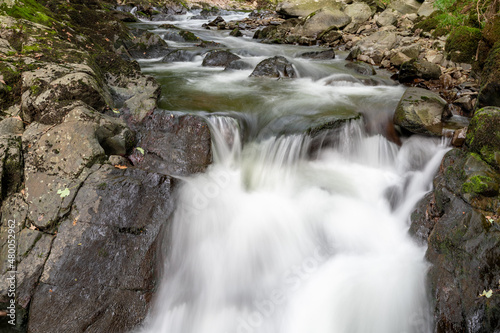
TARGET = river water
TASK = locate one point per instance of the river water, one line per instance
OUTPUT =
(282, 234)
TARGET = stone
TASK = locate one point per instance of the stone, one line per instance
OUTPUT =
(113, 233)
(302, 8)
(11, 164)
(418, 69)
(361, 68)
(277, 67)
(387, 17)
(238, 65)
(459, 136)
(405, 6)
(399, 58)
(11, 126)
(379, 41)
(327, 54)
(482, 135)
(236, 32)
(420, 111)
(322, 20)
(173, 145)
(147, 46)
(427, 8)
(359, 12)
(219, 58)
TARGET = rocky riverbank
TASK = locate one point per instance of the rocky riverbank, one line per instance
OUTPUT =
(87, 168)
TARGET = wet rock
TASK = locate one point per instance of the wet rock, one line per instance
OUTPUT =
(330, 36)
(174, 145)
(466, 103)
(274, 67)
(216, 22)
(112, 234)
(236, 33)
(423, 218)
(420, 111)
(361, 68)
(59, 157)
(178, 35)
(181, 55)
(147, 46)
(463, 249)
(238, 65)
(482, 135)
(399, 58)
(219, 58)
(327, 54)
(418, 69)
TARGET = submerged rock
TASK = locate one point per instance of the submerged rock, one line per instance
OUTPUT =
(327, 54)
(274, 67)
(420, 111)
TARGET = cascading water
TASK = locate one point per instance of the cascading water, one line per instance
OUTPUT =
(274, 239)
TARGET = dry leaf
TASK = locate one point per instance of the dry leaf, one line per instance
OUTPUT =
(120, 167)
(32, 227)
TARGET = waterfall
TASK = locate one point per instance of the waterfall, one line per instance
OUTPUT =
(270, 241)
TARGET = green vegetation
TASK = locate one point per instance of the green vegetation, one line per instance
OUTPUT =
(480, 185)
(29, 10)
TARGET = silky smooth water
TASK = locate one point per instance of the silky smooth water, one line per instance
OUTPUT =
(274, 238)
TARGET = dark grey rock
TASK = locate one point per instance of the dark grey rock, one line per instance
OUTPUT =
(219, 58)
(278, 67)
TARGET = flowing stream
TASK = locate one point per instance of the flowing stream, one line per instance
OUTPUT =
(282, 234)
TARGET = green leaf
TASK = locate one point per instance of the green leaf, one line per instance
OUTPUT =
(63, 193)
(116, 111)
(140, 150)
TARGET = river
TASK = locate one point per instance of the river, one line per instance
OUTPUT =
(283, 234)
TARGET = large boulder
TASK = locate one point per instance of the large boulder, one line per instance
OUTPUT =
(327, 54)
(483, 136)
(219, 58)
(489, 94)
(387, 17)
(418, 69)
(274, 67)
(379, 41)
(420, 111)
(59, 157)
(101, 272)
(322, 20)
(173, 145)
(463, 245)
(302, 8)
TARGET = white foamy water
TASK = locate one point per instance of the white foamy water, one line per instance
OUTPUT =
(280, 235)
(270, 241)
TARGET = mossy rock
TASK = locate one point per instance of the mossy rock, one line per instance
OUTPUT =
(489, 93)
(491, 32)
(462, 44)
(483, 136)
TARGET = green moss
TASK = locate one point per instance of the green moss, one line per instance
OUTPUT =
(462, 44)
(188, 36)
(29, 10)
(476, 184)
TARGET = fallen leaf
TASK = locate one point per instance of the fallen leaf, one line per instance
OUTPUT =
(50, 290)
(63, 193)
(487, 294)
(140, 150)
(32, 227)
(120, 167)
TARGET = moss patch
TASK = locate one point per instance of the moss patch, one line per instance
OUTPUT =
(29, 10)
(462, 44)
